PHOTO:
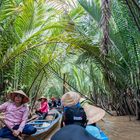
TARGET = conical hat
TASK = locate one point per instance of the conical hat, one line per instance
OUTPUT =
(42, 97)
(94, 114)
(70, 98)
(53, 99)
(25, 97)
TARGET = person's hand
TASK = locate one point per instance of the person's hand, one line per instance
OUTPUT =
(16, 133)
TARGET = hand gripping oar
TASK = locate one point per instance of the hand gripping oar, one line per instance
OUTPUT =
(10, 129)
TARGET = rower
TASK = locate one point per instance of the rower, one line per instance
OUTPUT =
(16, 115)
(43, 110)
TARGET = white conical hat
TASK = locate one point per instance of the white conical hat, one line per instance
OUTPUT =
(25, 97)
(94, 114)
(70, 98)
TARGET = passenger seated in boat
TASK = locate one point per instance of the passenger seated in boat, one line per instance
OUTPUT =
(50, 104)
(54, 103)
(73, 111)
(58, 102)
(16, 115)
(93, 114)
(44, 108)
(72, 132)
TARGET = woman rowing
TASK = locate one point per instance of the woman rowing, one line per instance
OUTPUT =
(16, 114)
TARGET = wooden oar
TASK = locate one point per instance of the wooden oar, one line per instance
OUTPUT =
(34, 117)
(10, 129)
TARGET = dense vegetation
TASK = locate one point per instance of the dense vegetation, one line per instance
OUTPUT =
(90, 46)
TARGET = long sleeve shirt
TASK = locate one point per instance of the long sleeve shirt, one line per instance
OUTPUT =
(44, 107)
(15, 115)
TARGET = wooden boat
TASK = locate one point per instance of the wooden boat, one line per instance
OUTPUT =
(44, 127)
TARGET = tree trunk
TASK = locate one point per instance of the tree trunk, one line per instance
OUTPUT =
(137, 110)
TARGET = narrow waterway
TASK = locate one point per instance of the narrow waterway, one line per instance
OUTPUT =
(119, 128)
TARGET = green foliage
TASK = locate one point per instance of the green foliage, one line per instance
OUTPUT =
(41, 41)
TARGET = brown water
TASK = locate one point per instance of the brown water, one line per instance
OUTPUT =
(119, 128)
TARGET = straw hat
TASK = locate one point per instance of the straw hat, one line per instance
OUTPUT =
(70, 99)
(94, 114)
(43, 97)
(25, 97)
(53, 99)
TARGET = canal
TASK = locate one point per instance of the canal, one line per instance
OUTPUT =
(118, 128)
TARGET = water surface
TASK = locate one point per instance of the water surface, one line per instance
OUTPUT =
(121, 128)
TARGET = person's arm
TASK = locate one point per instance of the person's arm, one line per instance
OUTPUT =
(24, 120)
(48, 108)
(3, 107)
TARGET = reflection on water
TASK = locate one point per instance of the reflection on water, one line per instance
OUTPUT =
(121, 128)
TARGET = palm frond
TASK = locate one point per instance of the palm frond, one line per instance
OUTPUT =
(92, 7)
